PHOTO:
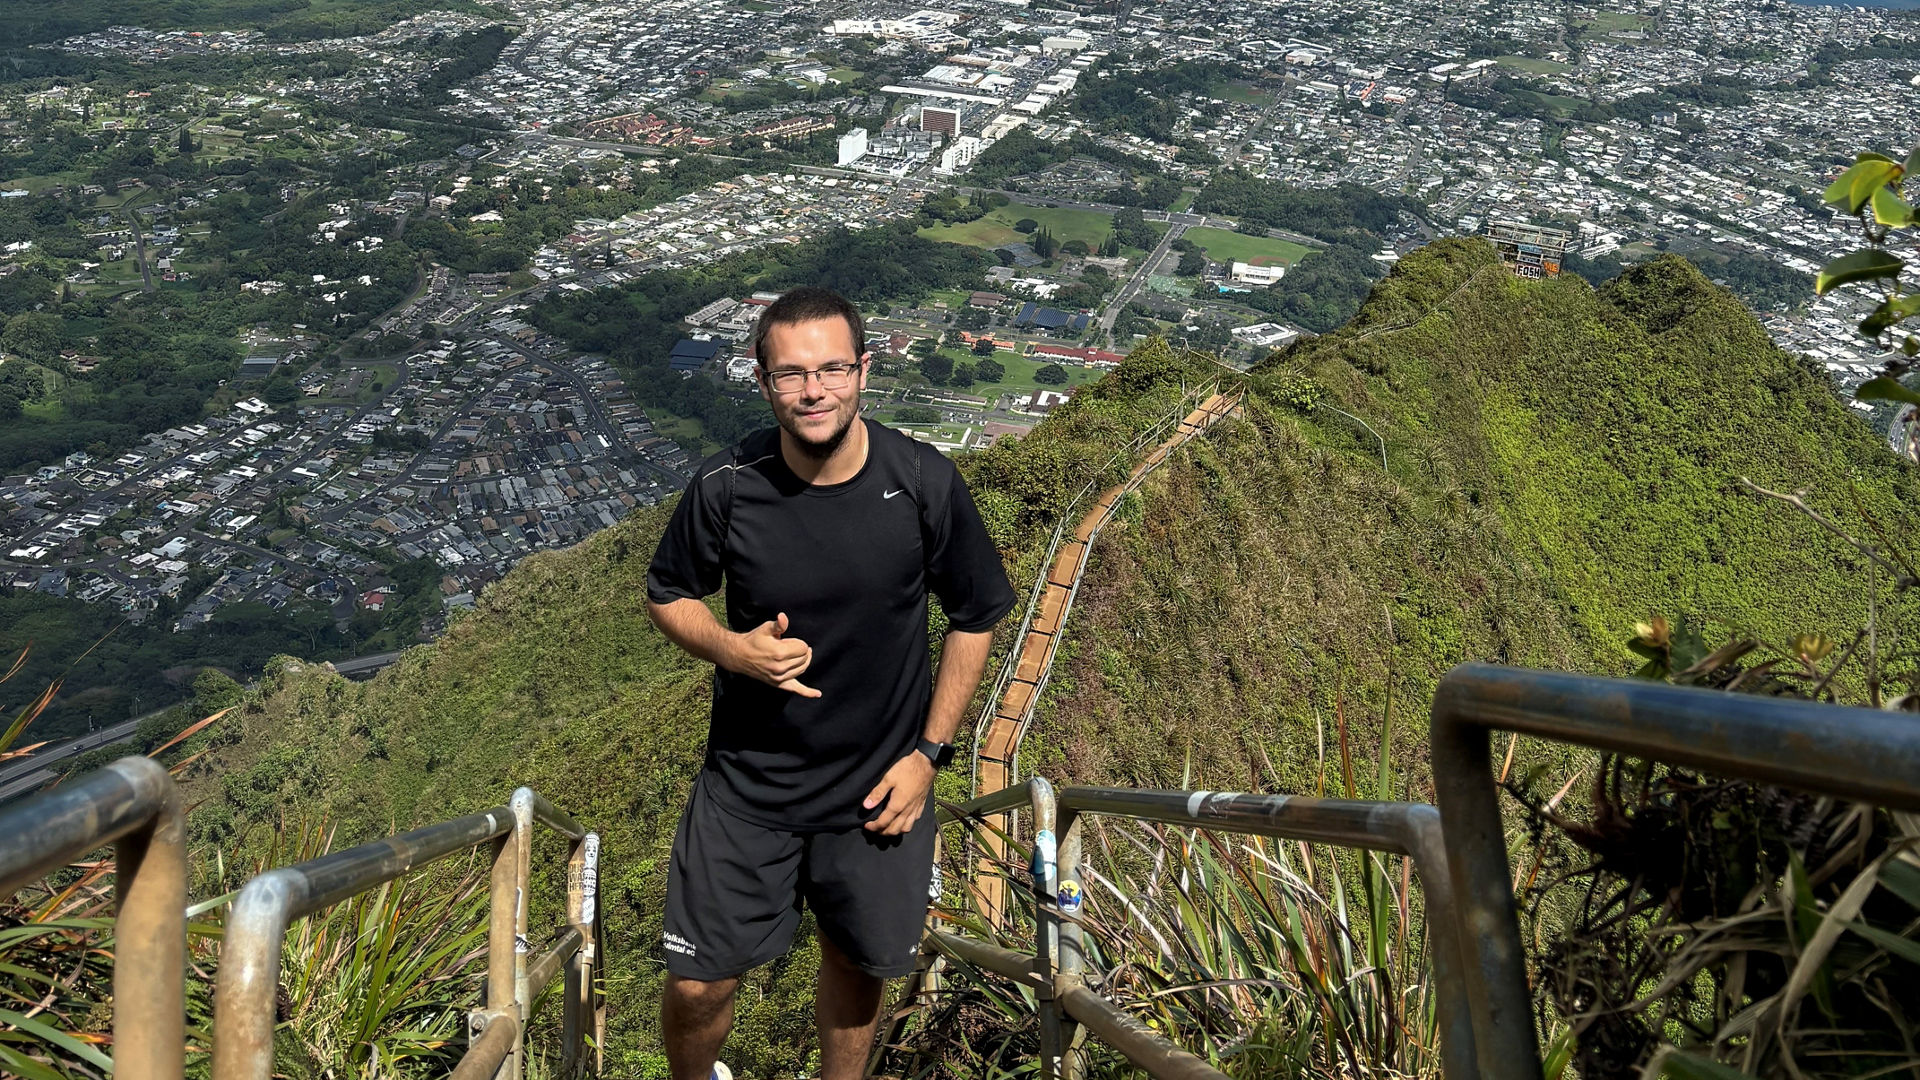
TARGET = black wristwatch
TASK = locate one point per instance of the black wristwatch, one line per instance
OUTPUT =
(937, 752)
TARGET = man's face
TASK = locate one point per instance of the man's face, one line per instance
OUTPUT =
(815, 413)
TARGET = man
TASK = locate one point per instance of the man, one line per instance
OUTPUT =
(829, 530)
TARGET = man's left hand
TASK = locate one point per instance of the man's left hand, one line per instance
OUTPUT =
(904, 790)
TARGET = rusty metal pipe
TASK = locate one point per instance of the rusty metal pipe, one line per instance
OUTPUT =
(1002, 962)
(1411, 829)
(989, 805)
(150, 932)
(544, 967)
(44, 831)
(256, 927)
(1159, 1057)
(484, 1055)
(551, 816)
(133, 804)
(1798, 744)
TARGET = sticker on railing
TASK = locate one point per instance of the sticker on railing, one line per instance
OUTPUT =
(1044, 852)
(589, 877)
(1069, 899)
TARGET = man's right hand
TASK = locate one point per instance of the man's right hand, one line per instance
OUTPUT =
(767, 654)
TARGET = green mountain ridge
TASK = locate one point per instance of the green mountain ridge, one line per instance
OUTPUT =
(1562, 463)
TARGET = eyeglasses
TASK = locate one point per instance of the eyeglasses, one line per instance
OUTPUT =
(831, 376)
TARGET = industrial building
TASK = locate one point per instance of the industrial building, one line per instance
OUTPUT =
(1532, 251)
(942, 120)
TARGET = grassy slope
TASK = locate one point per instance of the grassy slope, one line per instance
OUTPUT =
(1563, 463)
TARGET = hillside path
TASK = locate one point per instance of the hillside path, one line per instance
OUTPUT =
(998, 743)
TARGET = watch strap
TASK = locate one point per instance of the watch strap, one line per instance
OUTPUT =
(937, 752)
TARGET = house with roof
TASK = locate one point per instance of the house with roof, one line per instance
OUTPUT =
(691, 354)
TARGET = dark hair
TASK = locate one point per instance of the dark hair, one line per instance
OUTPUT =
(805, 304)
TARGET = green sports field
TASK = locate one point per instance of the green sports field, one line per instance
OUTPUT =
(1223, 245)
(996, 228)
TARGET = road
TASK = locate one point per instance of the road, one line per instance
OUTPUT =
(139, 248)
(1138, 281)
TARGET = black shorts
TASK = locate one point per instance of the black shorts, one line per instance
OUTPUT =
(735, 889)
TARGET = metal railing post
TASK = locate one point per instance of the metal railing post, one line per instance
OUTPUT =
(1046, 927)
(503, 893)
(257, 925)
(1798, 744)
(133, 804)
(150, 934)
(583, 869)
(1071, 971)
(521, 845)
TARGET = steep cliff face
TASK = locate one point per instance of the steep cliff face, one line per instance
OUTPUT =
(1561, 463)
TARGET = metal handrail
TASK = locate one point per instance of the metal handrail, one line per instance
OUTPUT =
(1866, 755)
(257, 925)
(1133, 482)
(134, 805)
(1178, 413)
(1057, 969)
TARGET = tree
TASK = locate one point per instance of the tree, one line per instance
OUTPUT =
(937, 368)
(1872, 190)
(989, 370)
(214, 690)
(280, 391)
(962, 376)
(983, 347)
(923, 347)
(1043, 243)
(1025, 225)
(1076, 247)
(917, 414)
(1051, 375)
(186, 140)
(1192, 264)
(34, 335)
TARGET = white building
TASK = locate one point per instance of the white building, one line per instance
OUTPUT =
(960, 154)
(1249, 274)
(853, 146)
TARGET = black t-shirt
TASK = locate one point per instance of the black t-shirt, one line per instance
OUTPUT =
(850, 564)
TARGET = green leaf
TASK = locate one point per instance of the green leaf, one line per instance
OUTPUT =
(1885, 388)
(1905, 948)
(58, 1038)
(1852, 188)
(1863, 265)
(1688, 1067)
(1890, 209)
(1902, 879)
(1868, 155)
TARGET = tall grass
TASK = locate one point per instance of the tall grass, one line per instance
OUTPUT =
(376, 986)
(1267, 957)
(379, 985)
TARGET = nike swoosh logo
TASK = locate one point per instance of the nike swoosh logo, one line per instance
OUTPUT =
(891, 494)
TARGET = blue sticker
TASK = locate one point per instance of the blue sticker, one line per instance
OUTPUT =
(1044, 851)
(1070, 898)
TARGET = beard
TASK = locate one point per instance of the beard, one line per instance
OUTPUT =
(824, 448)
